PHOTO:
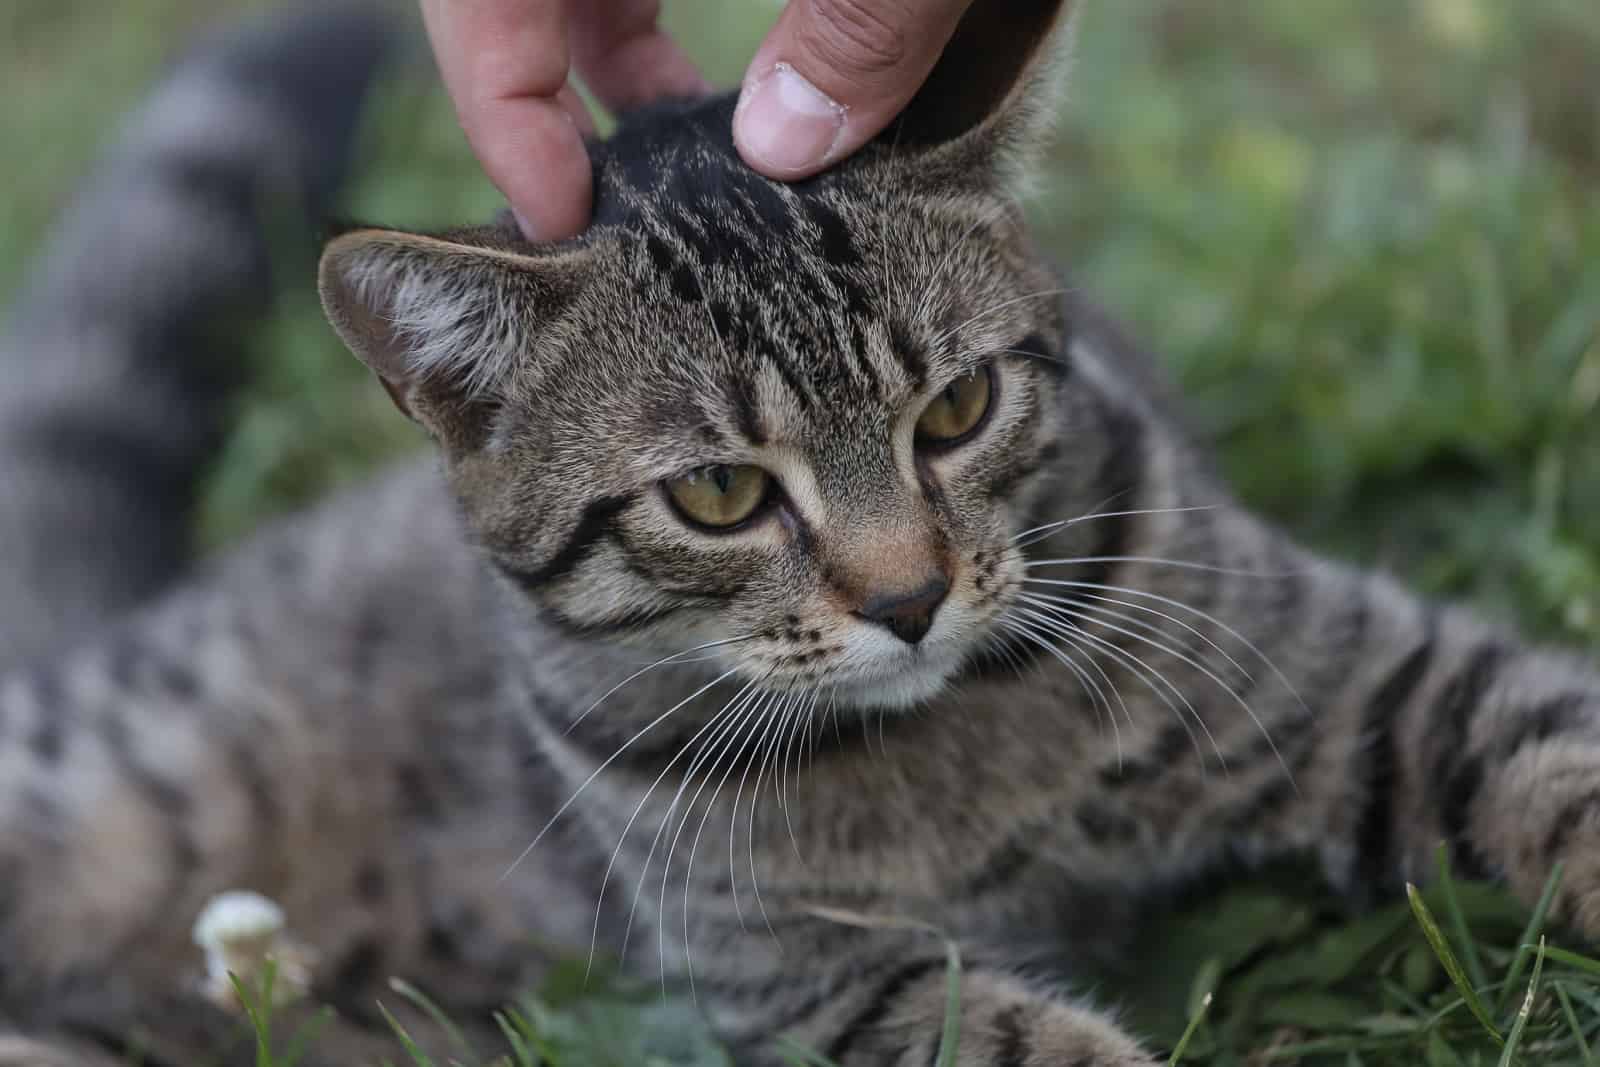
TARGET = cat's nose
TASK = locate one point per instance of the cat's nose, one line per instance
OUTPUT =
(909, 616)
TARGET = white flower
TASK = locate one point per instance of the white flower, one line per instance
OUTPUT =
(240, 931)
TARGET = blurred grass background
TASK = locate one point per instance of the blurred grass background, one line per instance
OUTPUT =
(1364, 234)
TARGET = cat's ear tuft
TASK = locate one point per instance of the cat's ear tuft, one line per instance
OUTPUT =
(445, 322)
(992, 98)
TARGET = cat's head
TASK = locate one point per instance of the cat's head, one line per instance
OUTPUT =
(803, 422)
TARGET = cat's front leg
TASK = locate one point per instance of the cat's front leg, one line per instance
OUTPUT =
(1471, 739)
(883, 1001)
(1005, 1022)
(1512, 768)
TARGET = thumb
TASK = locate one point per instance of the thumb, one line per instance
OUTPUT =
(832, 74)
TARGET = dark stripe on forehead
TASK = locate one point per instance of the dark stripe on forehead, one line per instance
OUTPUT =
(734, 327)
(592, 526)
(746, 411)
(863, 360)
(909, 351)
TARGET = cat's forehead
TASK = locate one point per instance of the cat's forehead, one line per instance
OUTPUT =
(828, 290)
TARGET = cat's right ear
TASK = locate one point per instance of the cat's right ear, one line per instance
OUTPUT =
(447, 324)
(985, 111)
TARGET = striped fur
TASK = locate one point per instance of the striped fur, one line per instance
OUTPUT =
(369, 712)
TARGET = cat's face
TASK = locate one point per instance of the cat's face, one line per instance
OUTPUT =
(797, 428)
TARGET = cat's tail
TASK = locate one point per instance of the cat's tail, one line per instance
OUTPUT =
(128, 330)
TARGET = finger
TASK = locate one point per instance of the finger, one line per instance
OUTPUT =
(832, 74)
(626, 59)
(504, 63)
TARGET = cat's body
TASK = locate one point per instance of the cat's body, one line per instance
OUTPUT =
(360, 715)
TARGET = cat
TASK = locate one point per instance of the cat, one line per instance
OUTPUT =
(808, 573)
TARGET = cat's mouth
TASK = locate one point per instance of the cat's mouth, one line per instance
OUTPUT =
(900, 684)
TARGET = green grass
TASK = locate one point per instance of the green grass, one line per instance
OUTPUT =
(1365, 237)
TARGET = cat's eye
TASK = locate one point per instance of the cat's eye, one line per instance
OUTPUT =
(720, 496)
(956, 411)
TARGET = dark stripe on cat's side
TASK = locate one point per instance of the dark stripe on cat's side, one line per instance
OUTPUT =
(999, 869)
(593, 525)
(1012, 1047)
(1454, 779)
(1569, 819)
(878, 1004)
(1548, 719)
(1377, 762)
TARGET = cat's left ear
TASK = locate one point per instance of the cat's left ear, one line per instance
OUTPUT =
(447, 323)
(987, 109)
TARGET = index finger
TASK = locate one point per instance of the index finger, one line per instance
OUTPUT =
(505, 65)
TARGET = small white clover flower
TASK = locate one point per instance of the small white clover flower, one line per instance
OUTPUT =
(240, 931)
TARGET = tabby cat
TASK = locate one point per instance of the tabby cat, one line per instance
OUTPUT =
(807, 568)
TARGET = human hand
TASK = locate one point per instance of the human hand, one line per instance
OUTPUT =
(507, 63)
(830, 76)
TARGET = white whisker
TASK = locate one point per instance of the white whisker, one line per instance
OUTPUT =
(726, 743)
(1040, 638)
(1079, 602)
(801, 716)
(1141, 670)
(766, 746)
(1181, 606)
(1154, 561)
(605, 880)
(663, 661)
(657, 721)
(744, 746)
(1203, 669)
(945, 335)
(729, 718)
(1050, 529)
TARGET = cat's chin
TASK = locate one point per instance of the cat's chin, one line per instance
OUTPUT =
(901, 691)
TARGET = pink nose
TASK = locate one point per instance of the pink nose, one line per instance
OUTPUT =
(909, 616)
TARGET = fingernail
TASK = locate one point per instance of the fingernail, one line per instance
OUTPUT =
(524, 225)
(787, 123)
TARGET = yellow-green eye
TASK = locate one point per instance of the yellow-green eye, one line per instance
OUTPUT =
(957, 410)
(720, 496)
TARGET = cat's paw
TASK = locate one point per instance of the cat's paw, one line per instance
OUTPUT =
(1067, 1048)
(1050, 1034)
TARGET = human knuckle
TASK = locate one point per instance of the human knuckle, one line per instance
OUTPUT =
(859, 38)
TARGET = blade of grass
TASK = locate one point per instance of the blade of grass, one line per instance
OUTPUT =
(1509, 1054)
(1534, 929)
(1452, 965)
(521, 1052)
(451, 1031)
(304, 1035)
(1189, 1031)
(1572, 959)
(420, 1058)
(1458, 920)
(1572, 1022)
(258, 1011)
(950, 1037)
